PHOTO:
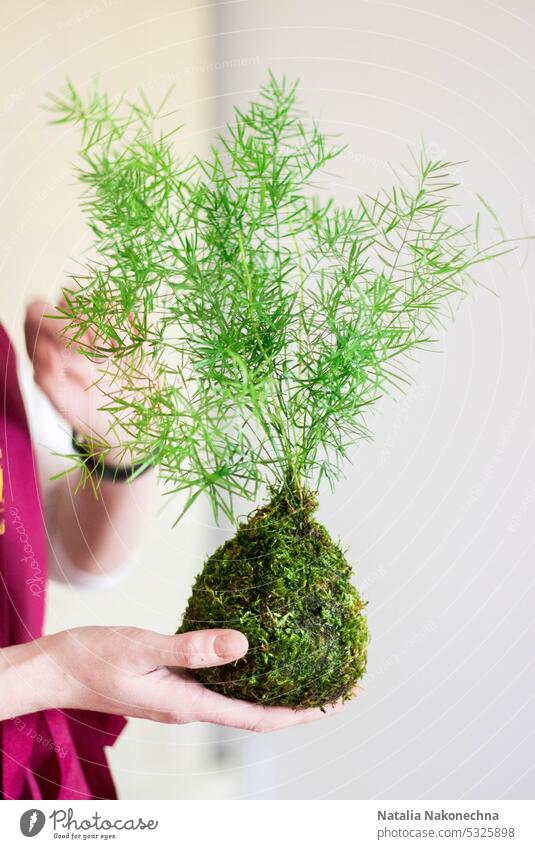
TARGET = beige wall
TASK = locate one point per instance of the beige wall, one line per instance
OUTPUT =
(129, 44)
(437, 513)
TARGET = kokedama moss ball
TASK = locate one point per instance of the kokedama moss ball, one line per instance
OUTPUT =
(270, 320)
(286, 585)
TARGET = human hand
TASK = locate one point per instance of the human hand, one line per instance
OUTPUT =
(64, 374)
(75, 384)
(140, 673)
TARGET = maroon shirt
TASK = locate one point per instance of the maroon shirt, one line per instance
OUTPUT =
(52, 754)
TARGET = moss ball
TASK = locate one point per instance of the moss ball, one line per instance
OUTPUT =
(286, 585)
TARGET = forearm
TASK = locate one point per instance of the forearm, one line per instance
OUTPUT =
(30, 679)
(99, 534)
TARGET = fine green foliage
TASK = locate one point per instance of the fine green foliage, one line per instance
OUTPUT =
(247, 326)
(272, 320)
(283, 582)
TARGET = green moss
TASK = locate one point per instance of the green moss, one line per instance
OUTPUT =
(286, 585)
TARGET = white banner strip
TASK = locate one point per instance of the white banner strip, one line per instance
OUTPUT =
(277, 825)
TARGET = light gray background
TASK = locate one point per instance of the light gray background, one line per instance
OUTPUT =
(438, 511)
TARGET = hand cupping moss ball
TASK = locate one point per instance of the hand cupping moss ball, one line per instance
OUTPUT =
(273, 320)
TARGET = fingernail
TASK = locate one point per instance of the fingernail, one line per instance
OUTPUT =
(231, 644)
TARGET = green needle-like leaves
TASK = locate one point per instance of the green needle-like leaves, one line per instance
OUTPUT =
(270, 321)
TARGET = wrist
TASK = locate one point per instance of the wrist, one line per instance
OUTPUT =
(31, 678)
(104, 462)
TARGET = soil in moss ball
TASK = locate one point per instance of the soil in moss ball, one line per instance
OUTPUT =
(286, 585)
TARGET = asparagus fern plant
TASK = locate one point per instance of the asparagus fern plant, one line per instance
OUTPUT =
(272, 320)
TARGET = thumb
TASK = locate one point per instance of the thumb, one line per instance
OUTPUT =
(197, 649)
